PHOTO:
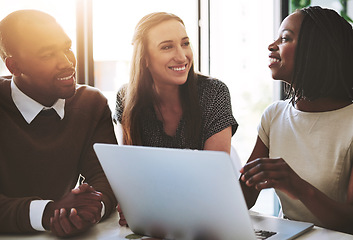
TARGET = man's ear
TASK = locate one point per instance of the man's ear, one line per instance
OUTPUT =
(12, 65)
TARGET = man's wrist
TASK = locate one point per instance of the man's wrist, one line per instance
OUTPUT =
(103, 209)
(47, 214)
(36, 213)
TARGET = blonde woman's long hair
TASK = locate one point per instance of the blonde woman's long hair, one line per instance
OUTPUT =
(140, 94)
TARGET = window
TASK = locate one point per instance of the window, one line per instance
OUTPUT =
(240, 32)
(343, 7)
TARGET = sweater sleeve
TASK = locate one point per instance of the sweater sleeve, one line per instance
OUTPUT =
(14, 217)
(91, 169)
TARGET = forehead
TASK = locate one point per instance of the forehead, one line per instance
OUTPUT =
(292, 23)
(167, 30)
(38, 36)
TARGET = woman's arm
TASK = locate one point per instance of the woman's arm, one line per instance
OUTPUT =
(220, 141)
(250, 192)
(262, 173)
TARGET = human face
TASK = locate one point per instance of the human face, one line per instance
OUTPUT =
(44, 63)
(169, 53)
(282, 54)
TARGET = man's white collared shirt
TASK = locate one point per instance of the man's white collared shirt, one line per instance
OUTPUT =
(30, 108)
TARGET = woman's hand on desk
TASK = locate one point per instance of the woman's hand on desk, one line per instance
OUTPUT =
(275, 173)
(122, 220)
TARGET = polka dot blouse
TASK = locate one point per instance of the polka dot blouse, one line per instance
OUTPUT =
(216, 113)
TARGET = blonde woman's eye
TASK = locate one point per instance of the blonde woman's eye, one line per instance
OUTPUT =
(167, 47)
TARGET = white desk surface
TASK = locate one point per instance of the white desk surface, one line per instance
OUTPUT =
(110, 230)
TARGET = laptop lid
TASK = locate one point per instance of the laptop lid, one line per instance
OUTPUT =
(177, 193)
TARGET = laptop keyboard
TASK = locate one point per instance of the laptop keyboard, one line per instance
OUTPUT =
(262, 234)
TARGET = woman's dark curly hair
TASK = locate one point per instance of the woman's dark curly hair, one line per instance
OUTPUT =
(324, 57)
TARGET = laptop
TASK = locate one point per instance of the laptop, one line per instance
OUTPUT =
(185, 194)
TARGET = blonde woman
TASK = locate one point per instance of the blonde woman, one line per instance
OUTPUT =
(165, 103)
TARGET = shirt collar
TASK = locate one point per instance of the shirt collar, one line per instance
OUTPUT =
(30, 108)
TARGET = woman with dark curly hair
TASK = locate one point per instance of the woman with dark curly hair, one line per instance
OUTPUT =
(304, 148)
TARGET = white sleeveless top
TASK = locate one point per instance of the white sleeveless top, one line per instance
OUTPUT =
(317, 146)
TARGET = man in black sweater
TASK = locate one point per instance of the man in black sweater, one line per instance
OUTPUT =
(48, 125)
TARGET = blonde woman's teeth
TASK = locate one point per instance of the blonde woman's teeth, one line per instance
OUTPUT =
(178, 68)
